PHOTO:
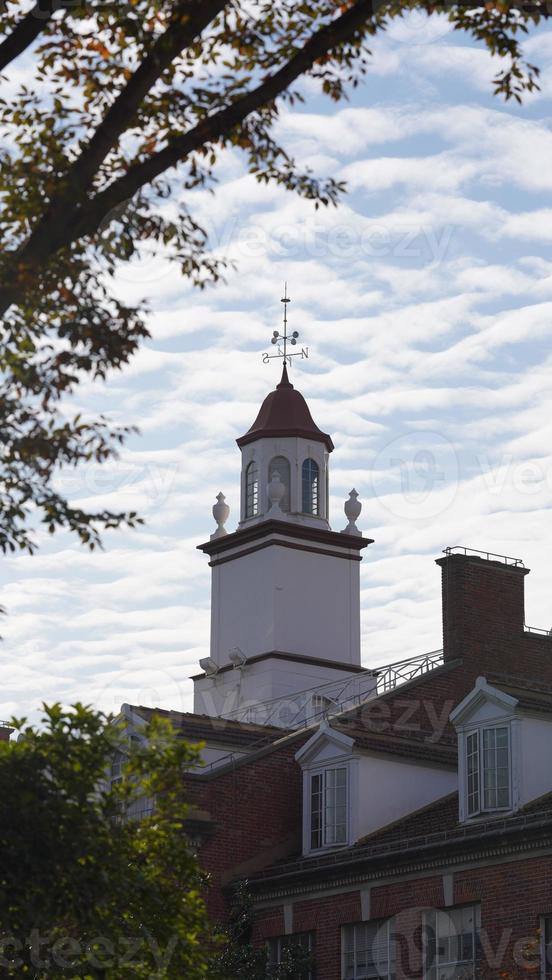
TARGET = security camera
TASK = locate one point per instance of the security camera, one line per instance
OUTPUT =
(208, 665)
(237, 657)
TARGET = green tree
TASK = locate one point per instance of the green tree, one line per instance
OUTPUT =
(239, 959)
(84, 893)
(125, 112)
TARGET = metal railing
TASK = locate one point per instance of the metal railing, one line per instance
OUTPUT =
(459, 549)
(381, 680)
(306, 707)
(406, 670)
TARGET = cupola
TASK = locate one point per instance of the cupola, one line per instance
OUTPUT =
(285, 462)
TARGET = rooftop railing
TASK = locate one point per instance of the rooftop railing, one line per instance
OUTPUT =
(334, 697)
(369, 685)
(459, 549)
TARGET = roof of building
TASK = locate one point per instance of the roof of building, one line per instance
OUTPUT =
(419, 746)
(537, 697)
(207, 728)
(285, 412)
(422, 833)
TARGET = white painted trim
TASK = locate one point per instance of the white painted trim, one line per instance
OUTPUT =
(350, 764)
(513, 724)
(365, 897)
(481, 693)
(448, 889)
(462, 778)
(288, 918)
(325, 732)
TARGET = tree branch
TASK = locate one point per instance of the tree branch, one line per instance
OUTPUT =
(28, 29)
(64, 224)
(191, 18)
(86, 220)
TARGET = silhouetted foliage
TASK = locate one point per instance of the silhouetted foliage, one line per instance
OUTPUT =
(84, 892)
(126, 111)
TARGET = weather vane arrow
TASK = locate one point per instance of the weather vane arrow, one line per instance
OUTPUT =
(283, 339)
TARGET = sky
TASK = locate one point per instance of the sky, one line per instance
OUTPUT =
(425, 300)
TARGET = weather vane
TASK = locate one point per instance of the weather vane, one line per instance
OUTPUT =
(283, 339)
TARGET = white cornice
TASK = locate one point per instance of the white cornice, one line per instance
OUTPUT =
(482, 693)
(324, 734)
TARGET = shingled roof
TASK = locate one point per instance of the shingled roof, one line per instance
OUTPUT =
(285, 412)
(206, 728)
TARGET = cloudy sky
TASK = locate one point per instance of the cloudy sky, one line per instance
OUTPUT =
(426, 304)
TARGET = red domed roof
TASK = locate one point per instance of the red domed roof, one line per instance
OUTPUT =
(285, 412)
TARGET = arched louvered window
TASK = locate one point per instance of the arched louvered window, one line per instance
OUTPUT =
(311, 487)
(280, 465)
(252, 490)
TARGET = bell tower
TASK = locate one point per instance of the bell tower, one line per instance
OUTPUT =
(285, 592)
(285, 463)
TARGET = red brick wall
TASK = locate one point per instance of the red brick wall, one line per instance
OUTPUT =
(257, 812)
(483, 619)
(512, 898)
(417, 710)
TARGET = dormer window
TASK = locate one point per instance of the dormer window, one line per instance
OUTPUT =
(311, 487)
(252, 490)
(329, 808)
(488, 770)
(330, 785)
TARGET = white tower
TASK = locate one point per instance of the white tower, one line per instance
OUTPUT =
(285, 599)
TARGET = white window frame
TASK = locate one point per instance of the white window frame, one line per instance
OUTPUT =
(376, 926)
(545, 941)
(252, 497)
(322, 773)
(329, 750)
(449, 969)
(313, 510)
(466, 735)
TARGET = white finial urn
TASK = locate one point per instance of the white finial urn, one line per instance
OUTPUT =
(221, 511)
(352, 508)
(276, 493)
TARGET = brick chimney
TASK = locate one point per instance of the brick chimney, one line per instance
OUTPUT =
(483, 611)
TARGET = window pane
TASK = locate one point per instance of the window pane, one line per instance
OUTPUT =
(452, 954)
(496, 768)
(316, 811)
(368, 950)
(279, 949)
(251, 490)
(472, 753)
(335, 806)
(547, 946)
(310, 484)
